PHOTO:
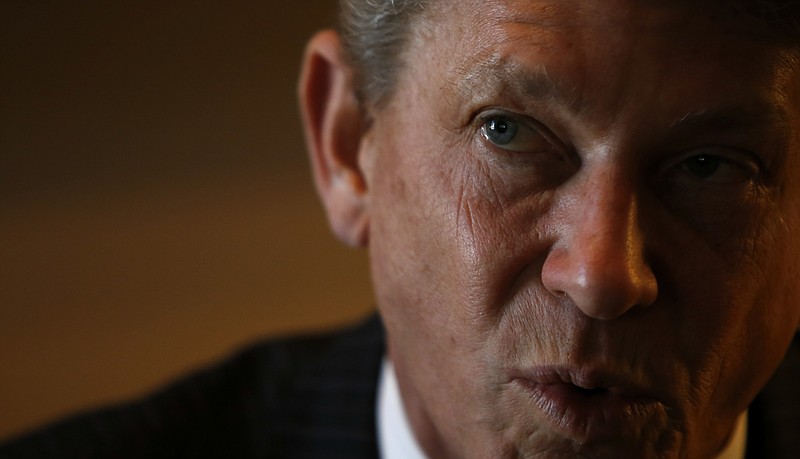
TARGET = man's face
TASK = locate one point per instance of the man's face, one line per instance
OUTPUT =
(584, 226)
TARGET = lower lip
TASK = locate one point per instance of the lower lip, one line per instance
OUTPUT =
(590, 416)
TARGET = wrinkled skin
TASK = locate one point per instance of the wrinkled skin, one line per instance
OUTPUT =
(594, 237)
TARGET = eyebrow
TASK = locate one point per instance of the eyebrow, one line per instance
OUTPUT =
(761, 115)
(516, 81)
(534, 84)
(503, 76)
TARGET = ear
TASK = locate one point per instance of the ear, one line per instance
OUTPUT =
(333, 124)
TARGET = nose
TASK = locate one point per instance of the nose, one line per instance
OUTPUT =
(599, 260)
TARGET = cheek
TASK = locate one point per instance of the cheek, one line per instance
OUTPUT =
(412, 233)
(776, 306)
(734, 306)
(450, 233)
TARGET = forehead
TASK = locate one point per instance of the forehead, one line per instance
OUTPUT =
(735, 15)
(484, 29)
(595, 55)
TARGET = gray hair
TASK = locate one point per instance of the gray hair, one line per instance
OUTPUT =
(374, 36)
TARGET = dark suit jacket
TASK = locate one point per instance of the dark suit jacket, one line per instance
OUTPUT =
(308, 398)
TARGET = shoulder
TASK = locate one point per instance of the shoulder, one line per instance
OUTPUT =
(273, 395)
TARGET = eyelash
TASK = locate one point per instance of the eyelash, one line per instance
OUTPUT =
(747, 162)
(523, 124)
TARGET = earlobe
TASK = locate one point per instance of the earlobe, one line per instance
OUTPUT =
(334, 125)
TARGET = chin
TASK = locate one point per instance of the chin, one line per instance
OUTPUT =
(552, 445)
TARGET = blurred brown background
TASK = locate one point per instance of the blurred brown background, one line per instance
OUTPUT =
(156, 212)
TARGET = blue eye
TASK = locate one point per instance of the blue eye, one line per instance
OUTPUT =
(511, 134)
(499, 131)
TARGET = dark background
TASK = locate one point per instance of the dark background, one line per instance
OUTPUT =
(156, 212)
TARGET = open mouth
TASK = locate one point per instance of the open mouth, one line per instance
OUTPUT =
(590, 392)
(588, 406)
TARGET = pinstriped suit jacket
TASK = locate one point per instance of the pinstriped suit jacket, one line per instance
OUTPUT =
(309, 398)
(292, 398)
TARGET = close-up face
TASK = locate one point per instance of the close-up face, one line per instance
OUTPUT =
(583, 226)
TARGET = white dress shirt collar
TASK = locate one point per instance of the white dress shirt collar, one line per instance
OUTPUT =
(395, 438)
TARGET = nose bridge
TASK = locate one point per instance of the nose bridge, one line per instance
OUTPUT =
(599, 260)
(606, 227)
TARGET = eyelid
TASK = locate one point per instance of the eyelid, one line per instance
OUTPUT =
(734, 155)
(483, 116)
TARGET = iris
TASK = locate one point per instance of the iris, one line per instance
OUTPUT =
(500, 131)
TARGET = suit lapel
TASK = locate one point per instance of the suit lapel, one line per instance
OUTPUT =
(774, 416)
(329, 411)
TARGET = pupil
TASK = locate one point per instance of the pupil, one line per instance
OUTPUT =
(498, 126)
(500, 131)
(703, 166)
